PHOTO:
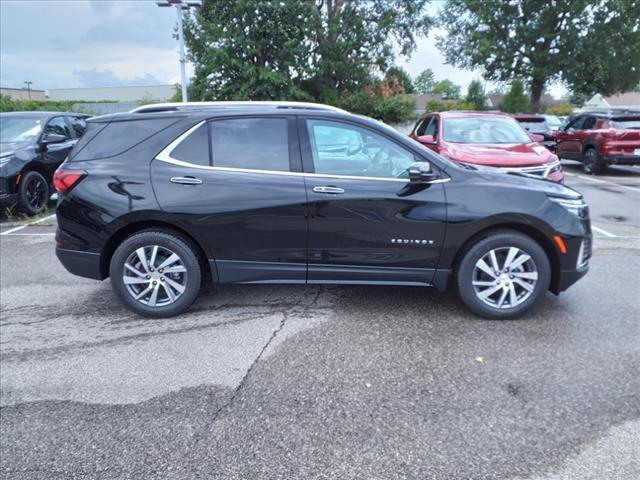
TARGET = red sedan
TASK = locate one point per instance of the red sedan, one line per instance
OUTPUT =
(490, 139)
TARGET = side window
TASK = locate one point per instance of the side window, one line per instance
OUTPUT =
(575, 124)
(79, 125)
(57, 126)
(195, 148)
(589, 123)
(423, 126)
(343, 149)
(253, 143)
(432, 129)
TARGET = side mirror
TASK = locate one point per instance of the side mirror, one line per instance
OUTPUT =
(427, 139)
(53, 138)
(537, 138)
(420, 172)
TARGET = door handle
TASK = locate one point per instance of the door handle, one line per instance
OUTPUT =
(327, 189)
(186, 180)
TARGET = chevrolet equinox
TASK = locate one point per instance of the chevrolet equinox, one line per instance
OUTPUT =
(169, 196)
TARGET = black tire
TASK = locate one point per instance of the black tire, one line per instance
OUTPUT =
(592, 164)
(34, 193)
(167, 242)
(496, 241)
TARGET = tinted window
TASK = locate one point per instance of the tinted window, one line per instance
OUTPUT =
(423, 127)
(575, 124)
(254, 143)
(79, 125)
(342, 149)
(117, 137)
(589, 123)
(432, 129)
(57, 126)
(194, 148)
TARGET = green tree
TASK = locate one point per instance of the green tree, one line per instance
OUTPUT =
(591, 46)
(244, 49)
(448, 89)
(403, 78)
(515, 101)
(476, 95)
(425, 81)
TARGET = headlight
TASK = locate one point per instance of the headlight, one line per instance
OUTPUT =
(577, 206)
(553, 167)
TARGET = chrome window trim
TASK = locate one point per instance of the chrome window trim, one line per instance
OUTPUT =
(165, 156)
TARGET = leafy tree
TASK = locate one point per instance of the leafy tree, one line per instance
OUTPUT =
(448, 89)
(425, 82)
(476, 95)
(402, 77)
(591, 46)
(515, 101)
(244, 49)
(560, 109)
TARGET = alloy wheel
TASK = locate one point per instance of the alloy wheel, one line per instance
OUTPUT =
(505, 277)
(36, 193)
(155, 276)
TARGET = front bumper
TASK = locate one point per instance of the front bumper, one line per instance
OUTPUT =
(622, 159)
(568, 278)
(7, 197)
(83, 264)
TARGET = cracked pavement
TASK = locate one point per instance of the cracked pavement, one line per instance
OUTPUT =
(322, 382)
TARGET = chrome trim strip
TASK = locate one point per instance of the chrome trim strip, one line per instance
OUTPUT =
(165, 156)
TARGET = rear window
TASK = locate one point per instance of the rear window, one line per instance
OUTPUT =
(195, 148)
(534, 125)
(116, 137)
(628, 122)
(252, 143)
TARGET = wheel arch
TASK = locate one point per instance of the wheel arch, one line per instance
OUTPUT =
(590, 144)
(35, 166)
(135, 227)
(528, 230)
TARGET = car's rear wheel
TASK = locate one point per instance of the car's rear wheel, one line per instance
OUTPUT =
(34, 192)
(503, 275)
(592, 163)
(156, 274)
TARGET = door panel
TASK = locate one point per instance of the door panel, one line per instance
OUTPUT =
(251, 223)
(374, 230)
(54, 154)
(569, 140)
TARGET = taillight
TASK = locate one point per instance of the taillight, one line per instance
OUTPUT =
(65, 180)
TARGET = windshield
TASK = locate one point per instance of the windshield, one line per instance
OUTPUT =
(553, 121)
(483, 130)
(19, 129)
(534, 126)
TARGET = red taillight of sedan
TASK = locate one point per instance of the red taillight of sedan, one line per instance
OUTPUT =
(65, 180)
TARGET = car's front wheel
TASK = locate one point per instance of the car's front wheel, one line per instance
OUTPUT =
(503, 275)
(156, 274)
(34, 192)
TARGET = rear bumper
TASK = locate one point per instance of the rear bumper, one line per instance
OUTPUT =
(622, 159)
(83, 264)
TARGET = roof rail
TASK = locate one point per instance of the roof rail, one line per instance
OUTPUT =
(186, 106)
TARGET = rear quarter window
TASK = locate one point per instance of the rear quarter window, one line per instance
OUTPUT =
(111, 139)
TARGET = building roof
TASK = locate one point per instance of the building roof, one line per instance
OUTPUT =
(21, 89)
(629, 99)
(423, 98)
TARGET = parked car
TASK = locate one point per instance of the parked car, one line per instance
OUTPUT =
(600, 139)
(553, 121)
(32, 147)
(161, 200)
(539, 125)
(490, 139)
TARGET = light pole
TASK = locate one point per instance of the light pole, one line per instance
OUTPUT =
(181, 5)
(28, 84)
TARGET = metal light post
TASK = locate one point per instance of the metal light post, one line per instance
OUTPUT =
(28, 84)
(181, 5)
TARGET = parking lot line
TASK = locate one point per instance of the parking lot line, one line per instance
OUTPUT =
(603, 232)
(597, 180)
(16, 229)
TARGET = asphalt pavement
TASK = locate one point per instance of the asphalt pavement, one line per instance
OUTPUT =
(307, 382)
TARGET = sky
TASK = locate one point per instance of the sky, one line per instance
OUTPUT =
(98, 43)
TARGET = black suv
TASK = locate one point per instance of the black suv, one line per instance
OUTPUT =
(32, 147)
(167, 197)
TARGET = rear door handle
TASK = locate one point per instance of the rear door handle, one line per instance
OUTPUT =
(327, 189)
(186, 180)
